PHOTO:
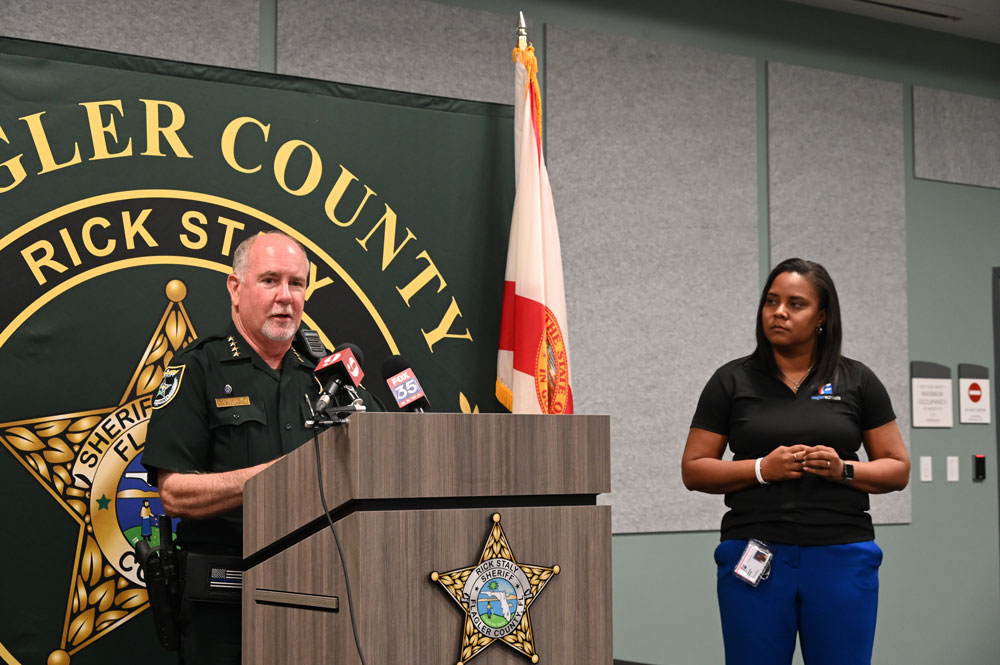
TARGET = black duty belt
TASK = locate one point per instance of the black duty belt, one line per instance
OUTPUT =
(213, 578)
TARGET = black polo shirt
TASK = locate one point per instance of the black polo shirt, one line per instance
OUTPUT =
(758, 413)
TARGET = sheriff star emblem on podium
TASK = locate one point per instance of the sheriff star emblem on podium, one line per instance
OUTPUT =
(495, 596)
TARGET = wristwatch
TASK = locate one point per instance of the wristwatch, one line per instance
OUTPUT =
(848, 472)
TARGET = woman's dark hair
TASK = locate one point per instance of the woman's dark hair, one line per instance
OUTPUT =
(828, 341)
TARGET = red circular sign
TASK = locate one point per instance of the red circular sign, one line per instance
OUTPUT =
(975, 392)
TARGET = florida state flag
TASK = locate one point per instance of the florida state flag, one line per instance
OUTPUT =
(533, 374)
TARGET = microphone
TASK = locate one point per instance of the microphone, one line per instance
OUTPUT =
(404, 385)
(356, 350)
(339, 371)
(348, 388)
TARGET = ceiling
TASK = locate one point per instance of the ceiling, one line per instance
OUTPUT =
(975, 19)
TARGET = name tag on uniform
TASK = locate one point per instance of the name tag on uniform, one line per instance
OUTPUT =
(755, 564)
(223, 402)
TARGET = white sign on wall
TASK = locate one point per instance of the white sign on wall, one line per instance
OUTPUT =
(932, 403)
(974, 401)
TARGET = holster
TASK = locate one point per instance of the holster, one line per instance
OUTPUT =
(161, 569)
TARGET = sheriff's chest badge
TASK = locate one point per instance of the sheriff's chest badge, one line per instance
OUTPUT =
(495, 595)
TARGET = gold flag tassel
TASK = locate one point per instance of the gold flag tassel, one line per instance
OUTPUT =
(524, 53)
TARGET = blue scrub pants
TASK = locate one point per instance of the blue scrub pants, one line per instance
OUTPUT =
(828, 595)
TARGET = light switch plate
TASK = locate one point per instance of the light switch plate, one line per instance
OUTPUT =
(952, 469)
(926, 469)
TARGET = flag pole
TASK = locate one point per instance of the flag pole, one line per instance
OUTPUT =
(533, 371)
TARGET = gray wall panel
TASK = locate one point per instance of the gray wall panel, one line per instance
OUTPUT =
(651, 149)
(837, 197)
(956, 137)
(409, 45)
(211, 33)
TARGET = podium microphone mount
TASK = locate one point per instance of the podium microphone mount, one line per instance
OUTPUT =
(332, 415)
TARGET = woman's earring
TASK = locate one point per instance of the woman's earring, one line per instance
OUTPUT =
(819, 330)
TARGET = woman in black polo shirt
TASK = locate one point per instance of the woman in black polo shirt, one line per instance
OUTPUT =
(798, 555)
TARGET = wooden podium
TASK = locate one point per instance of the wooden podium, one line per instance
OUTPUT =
(416, 493)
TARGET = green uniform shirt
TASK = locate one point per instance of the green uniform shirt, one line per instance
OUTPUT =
(221, 407)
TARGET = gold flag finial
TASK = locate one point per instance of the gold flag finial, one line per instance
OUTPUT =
(522, 32)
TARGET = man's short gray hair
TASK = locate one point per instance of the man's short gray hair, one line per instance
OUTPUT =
(242, 254)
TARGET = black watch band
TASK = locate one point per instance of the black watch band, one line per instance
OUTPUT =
(848, 472)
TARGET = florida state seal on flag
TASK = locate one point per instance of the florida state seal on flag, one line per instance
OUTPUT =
(533, 373)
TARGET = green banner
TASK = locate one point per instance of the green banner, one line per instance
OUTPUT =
(125, 185)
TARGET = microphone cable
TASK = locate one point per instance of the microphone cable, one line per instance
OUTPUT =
(340, 551)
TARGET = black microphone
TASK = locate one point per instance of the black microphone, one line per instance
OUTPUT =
(356, 350)
(339, 371)
(404, 385)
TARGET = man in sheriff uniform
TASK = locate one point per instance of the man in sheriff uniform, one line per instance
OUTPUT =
(229, 406)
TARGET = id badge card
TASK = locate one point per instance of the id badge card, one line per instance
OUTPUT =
(755, 563)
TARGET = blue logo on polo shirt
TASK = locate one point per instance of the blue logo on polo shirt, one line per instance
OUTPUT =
(826, 392)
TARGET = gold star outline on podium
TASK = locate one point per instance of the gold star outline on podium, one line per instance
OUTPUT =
(82, 459)
(495, 596)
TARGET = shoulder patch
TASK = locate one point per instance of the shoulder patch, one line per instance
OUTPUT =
(169, 386)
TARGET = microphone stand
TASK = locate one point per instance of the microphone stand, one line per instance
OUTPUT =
(332, 415)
